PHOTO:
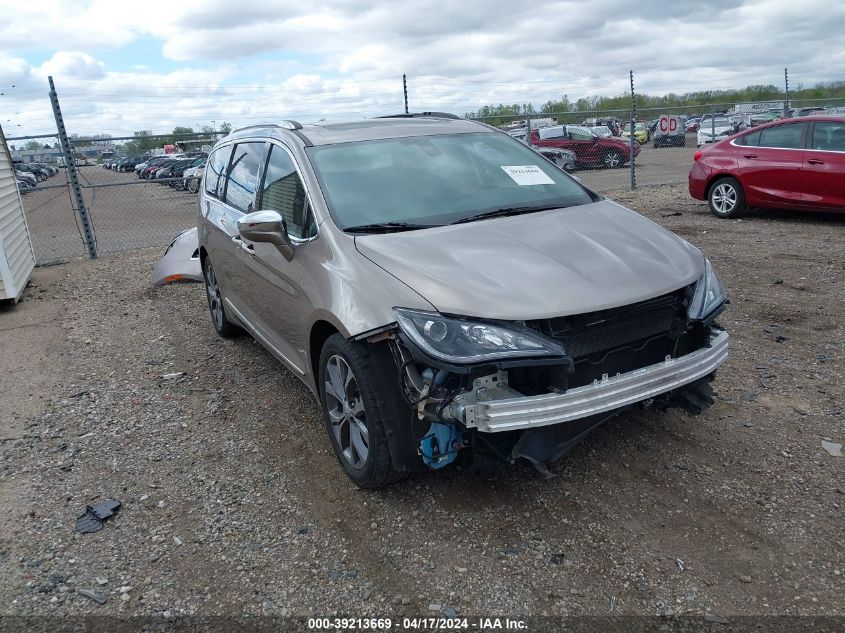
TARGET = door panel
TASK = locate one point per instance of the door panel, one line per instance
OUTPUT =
(241, 183)
(824, 166)
(770, 176)
(281, 307)
(770, 165)
(277, 300)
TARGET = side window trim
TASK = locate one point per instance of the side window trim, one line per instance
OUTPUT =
(226, 174)
(265, 164)
(210, 162)
(230, 166)
(309, 207)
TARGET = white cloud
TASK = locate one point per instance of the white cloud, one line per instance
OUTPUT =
(73, 65)
(260, 60)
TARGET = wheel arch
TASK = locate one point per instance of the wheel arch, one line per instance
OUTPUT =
(320, 333)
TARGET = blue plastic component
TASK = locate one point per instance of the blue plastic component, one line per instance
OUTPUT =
(441, 444)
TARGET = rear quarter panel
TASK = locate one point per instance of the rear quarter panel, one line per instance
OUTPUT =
(718, 160)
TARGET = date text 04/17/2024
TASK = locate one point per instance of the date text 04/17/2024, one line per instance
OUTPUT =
(418, 624)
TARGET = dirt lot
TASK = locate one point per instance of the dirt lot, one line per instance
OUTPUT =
(233, 502)
(134, 214)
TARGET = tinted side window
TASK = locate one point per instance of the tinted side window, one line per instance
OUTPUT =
(829, 136)
(577, 134)
(284, 192)
(786, 136)
(752, 140)
(215, 174)
(243, 175)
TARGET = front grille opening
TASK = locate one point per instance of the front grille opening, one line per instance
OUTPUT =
(586, 334)
(617, 340)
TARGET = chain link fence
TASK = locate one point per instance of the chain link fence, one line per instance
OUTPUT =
(121, 207)
(127, 208)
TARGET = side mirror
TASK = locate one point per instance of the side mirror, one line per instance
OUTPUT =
(267, 226)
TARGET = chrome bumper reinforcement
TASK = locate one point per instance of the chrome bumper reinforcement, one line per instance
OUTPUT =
(511, 414)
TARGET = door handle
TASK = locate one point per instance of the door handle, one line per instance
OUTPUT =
(752, 156)
(815, 161)
(244, 246)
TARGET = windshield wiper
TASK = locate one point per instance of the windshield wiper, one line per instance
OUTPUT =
(387, 227)
(506, 211)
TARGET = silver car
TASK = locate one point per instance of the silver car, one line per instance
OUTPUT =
(445, 291)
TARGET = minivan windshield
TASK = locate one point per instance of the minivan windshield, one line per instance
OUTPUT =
(423, 181)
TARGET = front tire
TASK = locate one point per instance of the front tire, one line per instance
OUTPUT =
(361, 399)
(726, 198)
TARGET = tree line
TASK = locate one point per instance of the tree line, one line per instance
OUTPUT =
(143, 142)
(665, 104)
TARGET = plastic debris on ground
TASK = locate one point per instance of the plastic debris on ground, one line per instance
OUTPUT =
(833, 448)
(92, 519)
(92, 595)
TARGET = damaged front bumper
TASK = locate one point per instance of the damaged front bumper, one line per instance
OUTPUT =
(493, 407)
(181, 260)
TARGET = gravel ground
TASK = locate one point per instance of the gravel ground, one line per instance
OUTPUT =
(233, 503)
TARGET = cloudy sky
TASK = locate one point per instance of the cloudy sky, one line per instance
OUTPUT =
(121, 66)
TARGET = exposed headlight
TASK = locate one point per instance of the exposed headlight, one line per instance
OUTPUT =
(455, 340)
(709, 294)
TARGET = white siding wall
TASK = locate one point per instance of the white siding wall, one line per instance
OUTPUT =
(17, 258)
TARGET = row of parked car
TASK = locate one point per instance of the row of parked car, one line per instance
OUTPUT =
(28, 175)
(181, 171)
(123, 163)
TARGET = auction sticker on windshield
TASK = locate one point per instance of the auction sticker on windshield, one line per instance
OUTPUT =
(527, 175)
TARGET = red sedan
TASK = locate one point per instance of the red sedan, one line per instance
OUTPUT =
(787, 164)
(590, 150)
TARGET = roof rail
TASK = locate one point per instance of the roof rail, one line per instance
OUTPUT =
(290, 124)
(424, 115)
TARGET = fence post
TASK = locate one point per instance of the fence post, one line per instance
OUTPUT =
(405, 90)
(631, 161)
(712, 123)
(528, 127)
(73, 177)
(786, 95)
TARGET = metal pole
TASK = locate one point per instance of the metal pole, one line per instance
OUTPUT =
(712, 123)
(528, 128)
(73, 177)
(405, 90)
(786, 99)
(633, 121)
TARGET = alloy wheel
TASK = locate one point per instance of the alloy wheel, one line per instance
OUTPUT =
(612, 160)
(345, 407)
(724, 198)
(214, 302)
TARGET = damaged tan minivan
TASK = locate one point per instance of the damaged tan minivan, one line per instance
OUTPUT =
(444, 290)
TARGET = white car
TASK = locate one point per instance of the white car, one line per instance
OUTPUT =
(192, 178)
(713, 129)
(601, 130)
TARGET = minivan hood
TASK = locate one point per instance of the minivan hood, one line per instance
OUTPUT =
(538, 265)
